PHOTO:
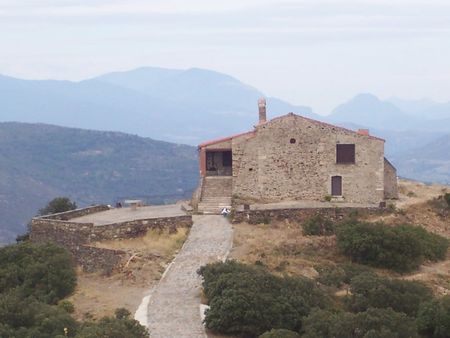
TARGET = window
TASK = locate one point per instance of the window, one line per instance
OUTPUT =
(345, 153)
(227, 158)
(336, 186)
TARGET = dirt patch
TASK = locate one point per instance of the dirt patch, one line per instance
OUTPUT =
(282, 248)
(99, 294)
(419, 204)
(412, 192)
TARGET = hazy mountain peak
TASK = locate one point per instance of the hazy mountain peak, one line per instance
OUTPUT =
(368, 110)
(365, 98)
(424, 108)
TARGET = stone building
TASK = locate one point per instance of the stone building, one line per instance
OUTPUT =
(292, 157)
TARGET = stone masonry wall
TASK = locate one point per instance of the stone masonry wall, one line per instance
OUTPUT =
(78, 237)
(268, 167)
(300, 215)
(390, 181)
(76, 213)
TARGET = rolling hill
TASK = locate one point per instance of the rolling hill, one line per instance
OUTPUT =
(427, 163)
(39, 162)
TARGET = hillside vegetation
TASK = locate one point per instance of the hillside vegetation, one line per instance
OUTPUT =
(381, 275)
(34, 281)
(39, 162)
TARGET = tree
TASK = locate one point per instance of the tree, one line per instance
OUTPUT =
(58, 204)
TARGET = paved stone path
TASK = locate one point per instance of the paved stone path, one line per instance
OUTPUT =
(174, 306)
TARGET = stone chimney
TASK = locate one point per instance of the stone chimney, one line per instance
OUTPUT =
(262, 110)
(363, 132)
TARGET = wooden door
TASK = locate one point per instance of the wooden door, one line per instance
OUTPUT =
(336, 186)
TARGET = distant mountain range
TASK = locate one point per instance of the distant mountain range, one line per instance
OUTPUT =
(181, 106)
(394, 114)
(39, 162)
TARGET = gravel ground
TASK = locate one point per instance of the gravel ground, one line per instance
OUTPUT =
(174, 304)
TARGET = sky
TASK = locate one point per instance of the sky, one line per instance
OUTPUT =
(318, 53)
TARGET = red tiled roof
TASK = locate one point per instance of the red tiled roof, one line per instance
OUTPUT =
(219, 140)
(207, 143)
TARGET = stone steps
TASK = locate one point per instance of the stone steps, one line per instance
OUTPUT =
(216, 194)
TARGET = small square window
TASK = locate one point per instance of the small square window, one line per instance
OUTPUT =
(345, 153)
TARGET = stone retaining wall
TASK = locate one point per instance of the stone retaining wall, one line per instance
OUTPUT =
(299, 215)
(95, 259)
(78, 237)
(67, 215)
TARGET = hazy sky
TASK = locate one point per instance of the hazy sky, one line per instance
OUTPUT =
(311, 52)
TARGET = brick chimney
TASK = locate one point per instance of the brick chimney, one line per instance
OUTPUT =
(363, 132)
(262, 110)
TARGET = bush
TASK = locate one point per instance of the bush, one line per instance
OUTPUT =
(373, 323)
(27, 317)
(433, 319)
(447, 198)
(371, 291)
(340, 274)
(434, 247)
(120, 326)
(330, 275)
(400, 248)
(318, 226)
(32, 277)
(280, 333)
(45, 272)
(66, 306)
(247, 300)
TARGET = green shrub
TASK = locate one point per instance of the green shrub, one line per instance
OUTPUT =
(318, 226)
(337, 275)
(369, 290)
(32, 277)
(120, 326)
(280, 333)
(45, 272)
(330, 275)
(352, 270)
(27, 317)
(433, 319)
(447, 198)
(434, 247)
(66, 306)
(373, 323)
(247, 300)
(400, 248)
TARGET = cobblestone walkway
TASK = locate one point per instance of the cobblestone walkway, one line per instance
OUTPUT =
(174, 306)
